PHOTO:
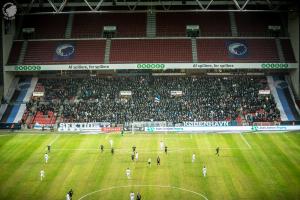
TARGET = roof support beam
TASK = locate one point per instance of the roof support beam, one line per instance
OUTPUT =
(200, 4)
(88, 4)
(236, 4)
(62, 5)
(98, 5)
(53, 6)
(208, 4)
(245, 4)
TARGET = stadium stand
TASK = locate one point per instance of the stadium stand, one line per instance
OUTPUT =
(216, 50)
(91, 25)
(256, 24)
(55, 27)
(205, 98)
(287, 51)
(85, 51)
(210, 24)
(14, 53)
(59, 89)
(98, 99)
(151, 50)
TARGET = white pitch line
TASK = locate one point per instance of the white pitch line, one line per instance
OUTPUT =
(244, 139)
(54, 140)
(5, 135)
(160, 186)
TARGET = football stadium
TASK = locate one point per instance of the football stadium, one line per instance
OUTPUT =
(149, 99)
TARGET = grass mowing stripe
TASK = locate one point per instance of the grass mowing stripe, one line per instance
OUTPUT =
(293, 140)
(272, 161)
(231, 179)
(89, 169)
(242, 162)
(291, 150)
(58, 169)
(203, 157)
(286, 155)
(20, 174)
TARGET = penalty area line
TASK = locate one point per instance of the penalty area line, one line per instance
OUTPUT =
(54, 140)
(245, 140)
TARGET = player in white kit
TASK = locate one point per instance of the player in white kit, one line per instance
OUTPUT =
(193, 158)
(68, 196)
(128, 173)
(162, 145)
(204, 171)
(131, 196)
(136, 156)
(46, 157)
(111, 142)
(42, 174)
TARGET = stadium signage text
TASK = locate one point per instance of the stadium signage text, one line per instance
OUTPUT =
(88, 67)
(214, 65)
(206, 123)
(151, 66)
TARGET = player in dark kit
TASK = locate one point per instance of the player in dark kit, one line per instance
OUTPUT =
(49, 148)
(101, 148)
(138, 196)
(70, 193)
(158, 160)
(217, 151)
(166, 149)
(132, 156)
(133, 148)
(112, 151)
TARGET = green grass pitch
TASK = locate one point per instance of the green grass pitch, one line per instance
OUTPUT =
(250, 166)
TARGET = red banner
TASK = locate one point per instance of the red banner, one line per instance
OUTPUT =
(111, 129)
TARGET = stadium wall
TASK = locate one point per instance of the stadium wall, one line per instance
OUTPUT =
(294, 37)
(7, 41)
(1, 62)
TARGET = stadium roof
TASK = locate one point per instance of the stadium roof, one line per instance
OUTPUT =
(94, 6)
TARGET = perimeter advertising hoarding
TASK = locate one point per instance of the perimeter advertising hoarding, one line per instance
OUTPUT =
(151, 66)
(222, 129)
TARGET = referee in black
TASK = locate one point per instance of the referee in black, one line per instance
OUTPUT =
(217, 151)
(158, 160)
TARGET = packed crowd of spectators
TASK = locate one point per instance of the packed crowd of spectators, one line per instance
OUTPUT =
(59, 89)
(202, 99)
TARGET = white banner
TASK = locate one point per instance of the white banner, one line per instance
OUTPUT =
(125, 93)
(176, 93)
(207, 123)
(264, 92)
(77, 127)
(154, 66)
(38, 94)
